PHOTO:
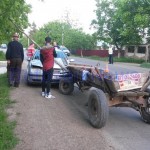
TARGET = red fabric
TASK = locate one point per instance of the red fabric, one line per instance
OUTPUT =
(48, 58)
(30, 50)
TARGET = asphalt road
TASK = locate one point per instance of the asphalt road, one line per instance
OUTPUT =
(62, 123)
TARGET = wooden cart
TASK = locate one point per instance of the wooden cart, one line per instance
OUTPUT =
(108, 90)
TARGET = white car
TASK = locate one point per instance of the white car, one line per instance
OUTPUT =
(34, 68)
(65, 50)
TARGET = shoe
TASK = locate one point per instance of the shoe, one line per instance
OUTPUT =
(43, 94)
(10, 84)
(48, 96)
(16, 85)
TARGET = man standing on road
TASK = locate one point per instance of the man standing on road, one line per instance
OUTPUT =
(47, 58)
(110, 52)
(14, 57)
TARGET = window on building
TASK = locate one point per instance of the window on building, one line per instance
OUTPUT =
(141, 50)
(131, 49)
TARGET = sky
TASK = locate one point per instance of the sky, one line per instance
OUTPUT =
(81, 12)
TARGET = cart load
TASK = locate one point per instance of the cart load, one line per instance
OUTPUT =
(108, 89)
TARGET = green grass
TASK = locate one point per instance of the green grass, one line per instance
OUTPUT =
(2, 56)
(97, 58)
(121, 59)
(145, 65)
(128, 60)
(8, 139)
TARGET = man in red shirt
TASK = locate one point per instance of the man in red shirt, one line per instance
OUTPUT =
(47, 58)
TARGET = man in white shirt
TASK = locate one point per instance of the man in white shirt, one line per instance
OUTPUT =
(110, 52)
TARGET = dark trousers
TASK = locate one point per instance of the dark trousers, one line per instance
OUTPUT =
(110, 59)
(14, 71)
(46, 80)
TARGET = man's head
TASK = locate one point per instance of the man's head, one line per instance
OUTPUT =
(48, 39)
(15, 36)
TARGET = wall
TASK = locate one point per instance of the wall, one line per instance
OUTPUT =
(100, 53)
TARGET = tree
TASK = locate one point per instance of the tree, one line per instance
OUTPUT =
(16, 10)
(72, 38)
(33, 29)
(122, 22)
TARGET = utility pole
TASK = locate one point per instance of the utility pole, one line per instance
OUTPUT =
(62, 35)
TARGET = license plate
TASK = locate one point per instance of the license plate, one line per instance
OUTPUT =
(55, 77)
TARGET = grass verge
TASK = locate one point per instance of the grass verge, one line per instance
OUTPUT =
(121, 59)
(145, 65)
(2, 56)
(116, 59)
(8, 139)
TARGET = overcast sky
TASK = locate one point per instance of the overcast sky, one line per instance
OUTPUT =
(81, 11)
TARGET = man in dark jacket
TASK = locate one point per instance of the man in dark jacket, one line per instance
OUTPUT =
(14, 57)
(47, 58)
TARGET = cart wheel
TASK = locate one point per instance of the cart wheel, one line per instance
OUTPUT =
(145, 112)
(98, 109)
(66, 86)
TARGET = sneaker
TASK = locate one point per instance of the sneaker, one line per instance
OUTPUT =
(48, 96)
(43, 94)
(16, 85)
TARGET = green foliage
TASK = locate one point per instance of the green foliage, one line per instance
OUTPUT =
(12, 9)
(122, 22)
(63, 34)
(2, 56)
(7, 137)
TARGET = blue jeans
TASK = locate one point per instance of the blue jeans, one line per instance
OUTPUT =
(46, 80)
(110, 59)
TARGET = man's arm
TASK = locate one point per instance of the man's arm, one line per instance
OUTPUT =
(8, 52)
(54, 53)
(41, 57)
(22, 54)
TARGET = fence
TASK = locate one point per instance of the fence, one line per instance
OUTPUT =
(100, 53)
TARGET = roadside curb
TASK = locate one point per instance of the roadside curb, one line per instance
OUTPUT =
(3, 62)
(3, 70)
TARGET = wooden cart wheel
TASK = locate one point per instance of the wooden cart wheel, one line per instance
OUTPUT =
(145, 112)
(66, 86)
(98, 109)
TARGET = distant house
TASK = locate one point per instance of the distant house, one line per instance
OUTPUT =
(140, 51)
